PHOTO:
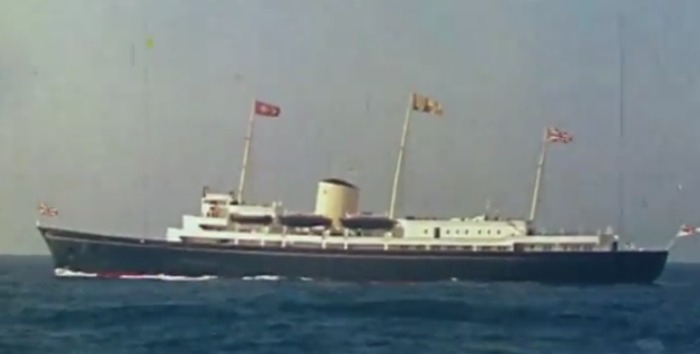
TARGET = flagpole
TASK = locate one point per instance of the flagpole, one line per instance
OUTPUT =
(685, 231)
(538, 177)
(671, 243)
(399, 162)
(246, 152)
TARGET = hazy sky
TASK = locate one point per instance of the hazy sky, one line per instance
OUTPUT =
(121, 137)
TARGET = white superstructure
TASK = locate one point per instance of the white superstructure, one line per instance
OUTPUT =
(224, 221)
(336, 222)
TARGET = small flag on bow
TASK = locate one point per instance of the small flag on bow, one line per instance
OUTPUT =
(687, 230)
(46, 210)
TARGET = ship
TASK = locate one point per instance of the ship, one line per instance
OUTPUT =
(230, 238)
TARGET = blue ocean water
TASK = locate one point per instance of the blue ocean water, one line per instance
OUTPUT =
(40, 313)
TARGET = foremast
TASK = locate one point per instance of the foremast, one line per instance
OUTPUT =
(258, 108)
(246, 151)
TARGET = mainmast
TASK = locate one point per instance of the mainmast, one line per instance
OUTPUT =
(399, 162)
(416, 103)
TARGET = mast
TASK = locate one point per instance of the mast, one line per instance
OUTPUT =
(419, 103)
(538, 178)
(621, 116)
(246, 152)
(551, 135)
(399, 162)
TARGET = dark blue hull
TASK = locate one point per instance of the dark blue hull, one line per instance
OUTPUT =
(92, 253)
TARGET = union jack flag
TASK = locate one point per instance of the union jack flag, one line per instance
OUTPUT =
(687, 230)
(47, 210)
(555, 135)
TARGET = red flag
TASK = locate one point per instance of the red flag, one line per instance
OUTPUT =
(266, 109)
(555, 135)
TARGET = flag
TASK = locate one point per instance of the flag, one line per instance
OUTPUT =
(266, 109)
(149, 42)
(555, 135)
(687, 230)
(47, 210)
(426, 104)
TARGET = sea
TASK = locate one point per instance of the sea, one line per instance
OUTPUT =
(44, 313)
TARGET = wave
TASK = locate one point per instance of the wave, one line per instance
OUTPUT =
(263, 277)
(67, 273)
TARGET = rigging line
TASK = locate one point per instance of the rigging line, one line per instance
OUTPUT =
(621, 112)
(146, 110)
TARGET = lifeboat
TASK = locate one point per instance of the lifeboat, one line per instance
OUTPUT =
(251, 219)
(368, 222)
(304, 220)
